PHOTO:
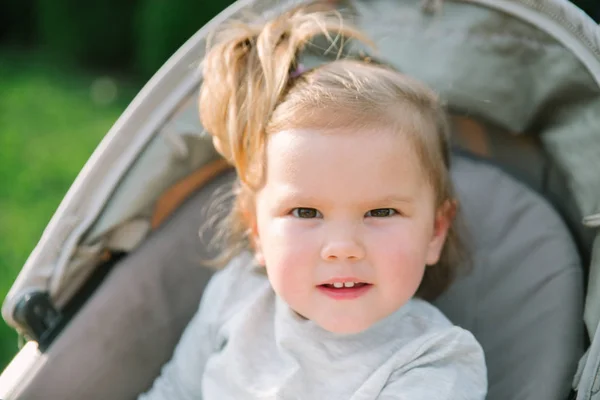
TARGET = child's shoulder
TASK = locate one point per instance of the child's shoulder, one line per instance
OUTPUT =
(426, 316)
(436, 332)
(435, 350)
(233, 286)
(427, 325)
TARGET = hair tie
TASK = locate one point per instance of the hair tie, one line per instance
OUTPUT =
(299, 70)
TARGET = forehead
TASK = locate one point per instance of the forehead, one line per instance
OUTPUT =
(352, 164)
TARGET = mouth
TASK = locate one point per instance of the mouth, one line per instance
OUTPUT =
(344, 290)
(344, 285)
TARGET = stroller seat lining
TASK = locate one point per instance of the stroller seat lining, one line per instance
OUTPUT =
(115, 346)
(524, 157)
(522, 299)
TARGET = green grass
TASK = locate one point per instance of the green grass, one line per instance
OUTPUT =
(49, 126)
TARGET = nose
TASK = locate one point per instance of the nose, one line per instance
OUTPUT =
(343, 245)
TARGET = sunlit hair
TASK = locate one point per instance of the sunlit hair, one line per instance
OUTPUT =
(249, 93)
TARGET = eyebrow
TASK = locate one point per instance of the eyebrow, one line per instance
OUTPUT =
(395, 199)
(296, 197)
(389, 199)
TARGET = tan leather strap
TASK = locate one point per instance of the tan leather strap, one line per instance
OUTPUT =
(174, 196)
(472, 135)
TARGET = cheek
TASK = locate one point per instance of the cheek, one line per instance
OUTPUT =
(400, 254)
(283, 238)
(288, 249)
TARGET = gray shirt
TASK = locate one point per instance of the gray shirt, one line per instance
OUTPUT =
(246, 343)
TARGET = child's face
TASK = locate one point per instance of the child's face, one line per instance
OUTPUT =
(342, 208)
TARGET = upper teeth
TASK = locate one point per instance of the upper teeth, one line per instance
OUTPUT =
(341, 285)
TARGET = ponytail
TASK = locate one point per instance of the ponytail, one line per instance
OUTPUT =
(247, 74)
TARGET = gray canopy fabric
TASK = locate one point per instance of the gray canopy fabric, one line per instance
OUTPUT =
(522, 299)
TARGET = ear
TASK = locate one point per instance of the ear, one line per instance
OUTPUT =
(255, 240)
(441, 224)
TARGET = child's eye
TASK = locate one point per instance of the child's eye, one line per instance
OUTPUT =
(302, 212)
(381, 213)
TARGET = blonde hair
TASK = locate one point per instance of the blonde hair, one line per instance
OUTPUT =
(249, 92)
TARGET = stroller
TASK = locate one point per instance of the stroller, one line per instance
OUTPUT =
(118, 272)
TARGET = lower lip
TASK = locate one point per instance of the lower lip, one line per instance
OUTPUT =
(344, 293)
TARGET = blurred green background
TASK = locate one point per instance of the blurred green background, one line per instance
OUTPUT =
(68, 68)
